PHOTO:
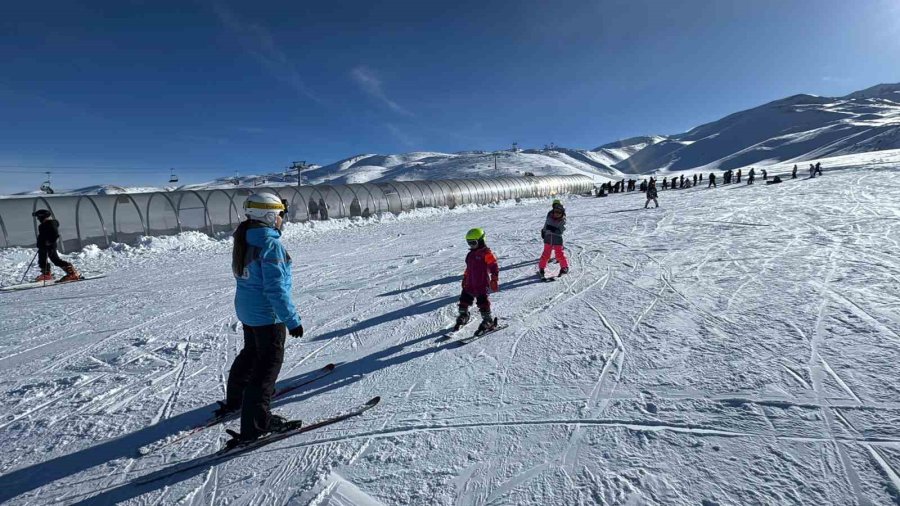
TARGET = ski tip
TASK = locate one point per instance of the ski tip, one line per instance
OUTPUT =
(329, 367)
(373, 401)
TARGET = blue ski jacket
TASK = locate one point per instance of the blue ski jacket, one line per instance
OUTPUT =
(263, 294)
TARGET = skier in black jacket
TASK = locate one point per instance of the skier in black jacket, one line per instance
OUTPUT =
(48, 234)
(651, 195)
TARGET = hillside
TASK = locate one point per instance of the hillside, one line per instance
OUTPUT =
(791, 130)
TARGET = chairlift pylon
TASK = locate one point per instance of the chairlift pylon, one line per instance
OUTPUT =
(45, 186)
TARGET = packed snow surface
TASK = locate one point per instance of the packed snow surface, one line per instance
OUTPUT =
(735, 346)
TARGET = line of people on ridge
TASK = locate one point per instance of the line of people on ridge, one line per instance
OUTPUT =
(682, 182)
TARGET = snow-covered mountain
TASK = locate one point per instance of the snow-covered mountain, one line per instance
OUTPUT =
(796, 128)
(791, 130)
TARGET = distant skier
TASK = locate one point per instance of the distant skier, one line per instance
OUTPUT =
(775, 180)
(481, 276)
(643, 185)
(819, 168)
(665, 183)
(695, 180)
(323, 209)
(727, 176)
(313, 210)
(262, 300)
(651, 195)
(765, 175)
(794, 172)
(48, 235)
(712, 180)
(751, 176)
(738, 176)
(701, 178)
(552, 234)
(812, 171)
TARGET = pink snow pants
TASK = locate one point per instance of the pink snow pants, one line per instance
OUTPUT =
(557, 249)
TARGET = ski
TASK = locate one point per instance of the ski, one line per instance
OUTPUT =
(216, 420)
(42, 284)
(450, 333)
(548, 280)
(476, 336)
(268, 439)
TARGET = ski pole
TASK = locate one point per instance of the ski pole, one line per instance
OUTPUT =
(29, 267)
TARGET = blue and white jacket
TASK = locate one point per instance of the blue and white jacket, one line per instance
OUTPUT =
(263, 294)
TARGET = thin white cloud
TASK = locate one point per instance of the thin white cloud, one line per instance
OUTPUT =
(398, 133)
(370, 83)
(259, 42)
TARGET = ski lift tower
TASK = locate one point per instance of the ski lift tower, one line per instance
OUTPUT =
(299, 167)
(45, 186)
(496, 170)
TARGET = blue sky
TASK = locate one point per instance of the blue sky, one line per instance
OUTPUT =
(120, 91)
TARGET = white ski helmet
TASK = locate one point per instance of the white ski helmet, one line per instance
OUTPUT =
(264, 207)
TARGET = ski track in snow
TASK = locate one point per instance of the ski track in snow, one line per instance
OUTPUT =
(726, 348)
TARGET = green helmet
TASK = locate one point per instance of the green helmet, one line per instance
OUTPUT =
(475, 234)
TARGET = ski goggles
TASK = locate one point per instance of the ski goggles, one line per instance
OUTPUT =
(472, 242)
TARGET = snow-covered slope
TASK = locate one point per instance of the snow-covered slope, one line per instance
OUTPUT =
(430, 165)
(797, 128)
(619, 151)
(102, 189)
(735, 346)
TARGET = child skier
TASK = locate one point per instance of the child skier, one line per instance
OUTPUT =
(482, 273)
(48, 234)
(552, 234)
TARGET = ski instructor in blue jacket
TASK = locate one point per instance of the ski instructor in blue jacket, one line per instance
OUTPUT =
(262, 269)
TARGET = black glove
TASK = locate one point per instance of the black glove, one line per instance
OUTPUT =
(296, 331)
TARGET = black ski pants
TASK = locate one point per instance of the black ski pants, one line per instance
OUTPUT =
(466, 299)
(49, 252)
(251, 381)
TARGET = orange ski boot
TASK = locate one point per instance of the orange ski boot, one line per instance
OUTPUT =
(71, 274)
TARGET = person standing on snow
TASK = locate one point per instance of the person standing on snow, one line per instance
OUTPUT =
(48, 235)
(552, 234)
(712, 180)
(752, 176)
(765, 175)
(481, 275)
(794, 172)
(738, 176)
(651, 195)
(665, 183)
(262, 300)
